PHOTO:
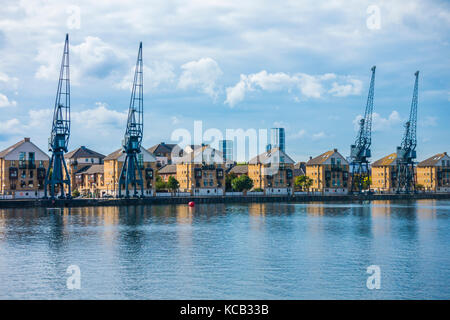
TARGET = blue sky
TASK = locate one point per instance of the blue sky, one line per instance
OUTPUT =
(303, 65)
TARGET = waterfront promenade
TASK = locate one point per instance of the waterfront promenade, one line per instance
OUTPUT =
(89, 202)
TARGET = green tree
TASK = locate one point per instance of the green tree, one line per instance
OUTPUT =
(160, 184)
(75, 193)
(173, 184)
(420, 187)
(228, 180)
(242, 183)
(299, 182)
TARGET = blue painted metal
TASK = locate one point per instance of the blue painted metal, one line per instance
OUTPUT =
(59, 138)
(406, 152)
(360, 150)
(131, 172)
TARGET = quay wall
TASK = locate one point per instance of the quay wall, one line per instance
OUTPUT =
(32, 203)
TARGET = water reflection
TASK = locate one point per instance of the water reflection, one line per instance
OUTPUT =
(247, 251)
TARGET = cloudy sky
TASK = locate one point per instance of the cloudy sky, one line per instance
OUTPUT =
(303, 65)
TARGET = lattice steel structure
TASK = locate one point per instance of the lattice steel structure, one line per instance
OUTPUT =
(131, 171)
(360, 150)
(406, 152)
(57, 174)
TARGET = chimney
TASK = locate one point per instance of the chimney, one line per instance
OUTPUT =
(310, 158)
(445, 153)
(335, 150)
(26, 139)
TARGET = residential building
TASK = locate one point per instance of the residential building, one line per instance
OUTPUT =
(277, 139)
(329, 173)
(434, 173)
(227, 149)
(80, 160)
(22, 170)
(272, 171)
(91, 181)
(166, 153)
(113, 165)
(299, 169)
(201, 172)
(384, 174)
(167, 171)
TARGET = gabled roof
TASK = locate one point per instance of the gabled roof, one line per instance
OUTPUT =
(274, 155)
(239, 169)
(83, 169)
(168, 169)
(119, 152)
(432, 161)
(83, 152)
(324, 157)
(203, 154)
(95, 168)
(162, 148)
(389, 160)
(7, 151)
(10, 149)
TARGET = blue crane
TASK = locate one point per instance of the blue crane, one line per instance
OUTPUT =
(406, 152)
(57, 174)
(131, 143)
(360, 151)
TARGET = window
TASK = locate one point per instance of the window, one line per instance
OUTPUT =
(31, 174)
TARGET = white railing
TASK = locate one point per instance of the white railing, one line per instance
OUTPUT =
(234, 193)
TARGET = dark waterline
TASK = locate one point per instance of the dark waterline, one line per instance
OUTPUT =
(228, 251)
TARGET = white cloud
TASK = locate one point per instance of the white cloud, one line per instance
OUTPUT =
(201, 74)
(156, 75)
(100, 118)
(10, 82)
(299, 135)
(379, 123)
(354, 87)
(310, 86)
(91, 58)
(5, 102)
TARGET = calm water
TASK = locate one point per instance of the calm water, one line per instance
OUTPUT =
(238, 251)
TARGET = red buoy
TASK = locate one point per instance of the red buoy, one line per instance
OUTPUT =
(191, 204)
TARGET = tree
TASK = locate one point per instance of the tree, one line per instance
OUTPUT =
(242, 183)
(75, 193)
(173, 184)
(420, 187)
(160, 184)
(228, 180)
(299, 182)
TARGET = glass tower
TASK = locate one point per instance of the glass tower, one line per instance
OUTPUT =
(277, 138)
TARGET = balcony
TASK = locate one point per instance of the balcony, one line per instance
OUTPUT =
(22, 164)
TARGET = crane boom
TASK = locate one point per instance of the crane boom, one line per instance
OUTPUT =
(406, 152)
(360, 150)
(59, 136)
(134, 132)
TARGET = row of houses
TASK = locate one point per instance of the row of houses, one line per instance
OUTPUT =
(201, 170)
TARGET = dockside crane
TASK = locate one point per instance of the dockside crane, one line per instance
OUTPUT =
(360, 150)
(59, 137)
(406, 152)
(131, 143)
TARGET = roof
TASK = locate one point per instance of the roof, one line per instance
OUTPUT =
(386, 161)
(204, 154)
(162, 148)
(95, 168)
(114, 155)
(273, 155)
(10, 149)
(320, 159)
(168, 169)
(83, 152)
(82, 169)
(432, 161)
(299, 172)
(239, 169)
